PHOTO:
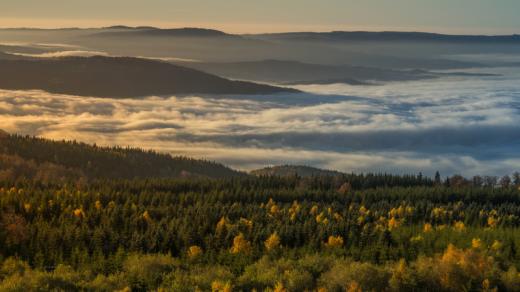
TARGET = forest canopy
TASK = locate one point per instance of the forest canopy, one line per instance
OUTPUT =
(82, 217)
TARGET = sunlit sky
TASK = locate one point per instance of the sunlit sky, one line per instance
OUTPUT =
(248, 16)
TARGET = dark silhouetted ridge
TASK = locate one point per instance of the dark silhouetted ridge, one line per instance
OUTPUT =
(126, 31)
(291, 72)
(118, 77)
(392, 36)
(30, 157)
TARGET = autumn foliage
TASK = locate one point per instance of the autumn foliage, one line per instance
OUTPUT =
(263, 233)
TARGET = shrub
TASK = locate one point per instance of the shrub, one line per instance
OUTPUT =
(511, 279)
(345, 272)
(205, 278)
(107, 283)
(146, 272)
(12, 266)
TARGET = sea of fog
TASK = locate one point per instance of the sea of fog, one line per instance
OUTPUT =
(467, 125)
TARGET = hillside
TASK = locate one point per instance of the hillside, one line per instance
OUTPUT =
(280, 71)
(293, 170)
(292, 72)
(47, 160)
(118, 77)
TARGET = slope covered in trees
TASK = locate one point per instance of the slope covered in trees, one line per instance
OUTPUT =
(293, 170)
(139, 224)
(258, 233)
(41, 159)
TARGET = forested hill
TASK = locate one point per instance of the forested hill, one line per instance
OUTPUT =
(119, 77)
(293, 170)
(47, 160)
(311, 176)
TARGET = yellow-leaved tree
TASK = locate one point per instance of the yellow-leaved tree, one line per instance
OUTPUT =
(457, 267)
(272, 242)
(146, 216)
(221, 225)
(393, 223)
(459, 226)
(79, 213)
(334, 241)
(279, 287)
(240, 245)
(476, 243)
(354, 287)
(194, 251)
(219, 286)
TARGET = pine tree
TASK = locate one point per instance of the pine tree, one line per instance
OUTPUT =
(437, 180)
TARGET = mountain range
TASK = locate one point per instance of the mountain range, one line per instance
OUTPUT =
(207, 61)
(391, 50)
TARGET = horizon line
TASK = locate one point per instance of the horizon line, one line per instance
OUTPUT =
(122, 26)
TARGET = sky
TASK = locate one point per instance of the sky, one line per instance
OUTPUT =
(247, 16)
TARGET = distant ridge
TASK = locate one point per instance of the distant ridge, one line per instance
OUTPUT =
(390, 36)
(118, 27)
(127, 31)
(302, 36)
(292, 72)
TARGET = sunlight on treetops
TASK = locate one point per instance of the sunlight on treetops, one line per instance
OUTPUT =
(272, 242)
(334, 241)
(240, 245)
(194, 251)
(219, 286)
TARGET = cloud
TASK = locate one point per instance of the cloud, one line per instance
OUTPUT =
(57, 50)
(39, 45)
(455, 125)
(56, 45)
(170, 59)
(60, 54)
